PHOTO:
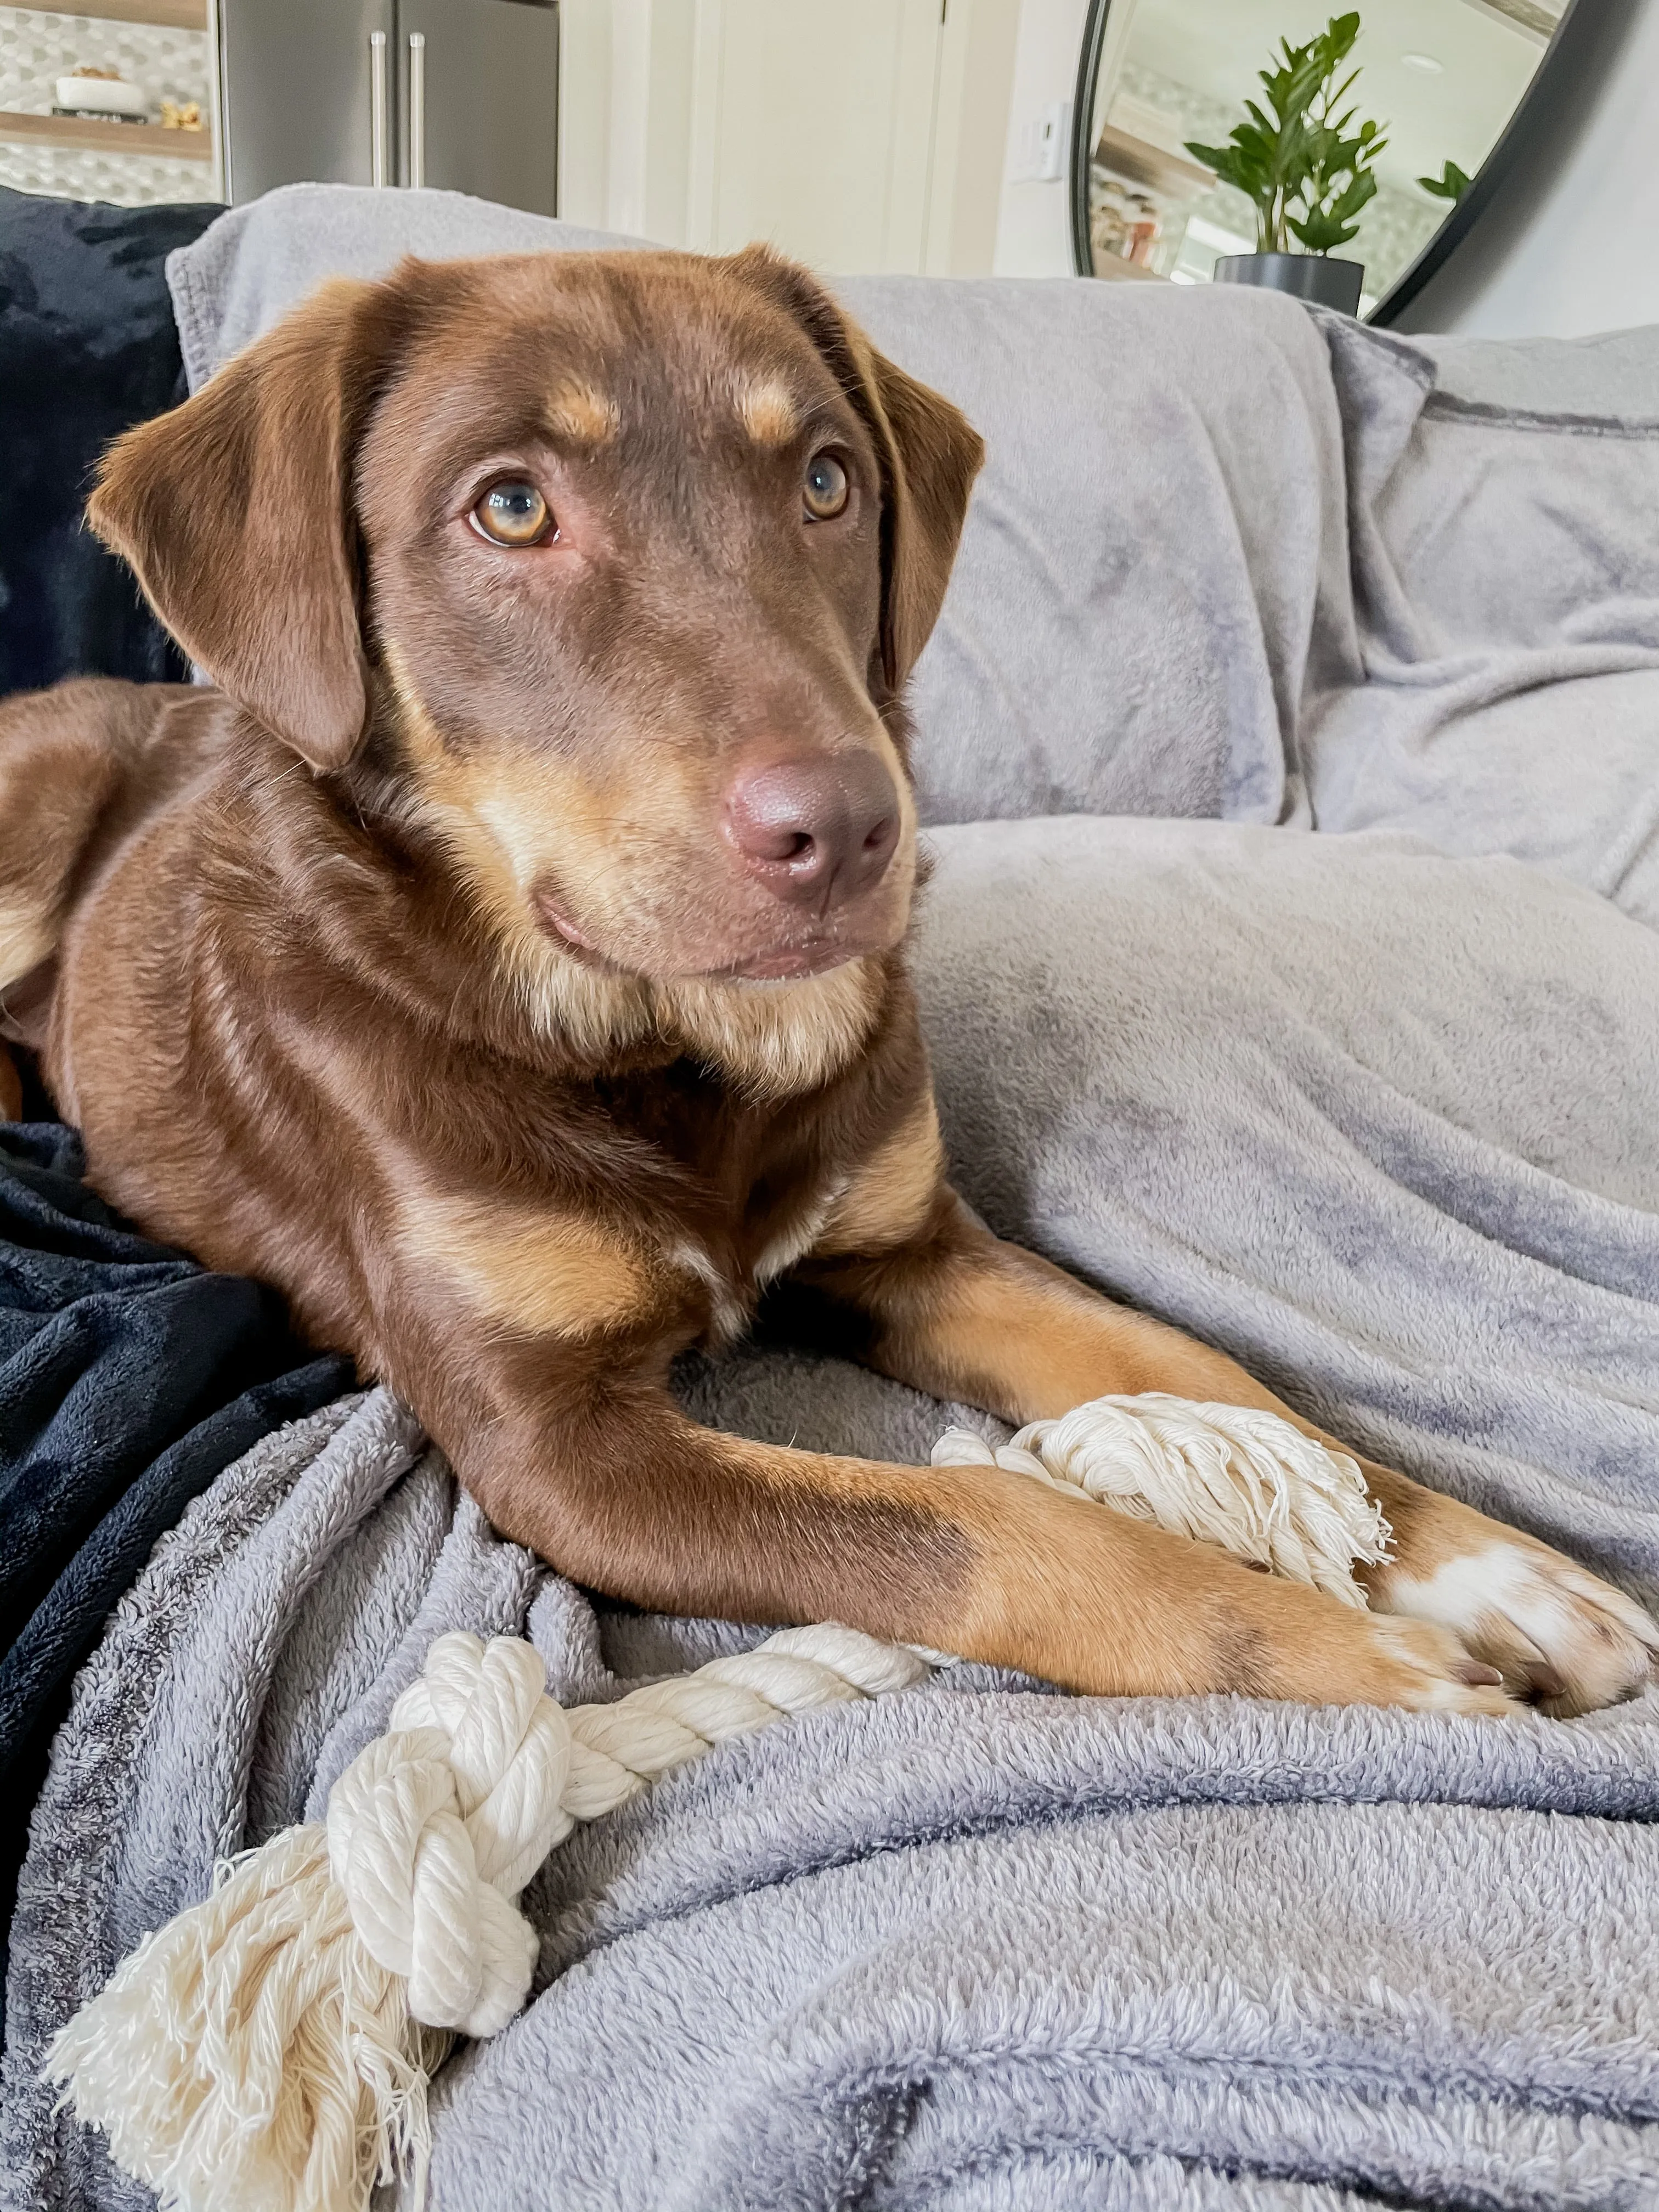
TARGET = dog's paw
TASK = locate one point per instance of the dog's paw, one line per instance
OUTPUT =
(1559, 1636)
(1426, 1669)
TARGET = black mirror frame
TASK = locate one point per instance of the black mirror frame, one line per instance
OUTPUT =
(1573, 51)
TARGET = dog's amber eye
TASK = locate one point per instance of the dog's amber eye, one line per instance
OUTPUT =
(825, 489)
(512, 514)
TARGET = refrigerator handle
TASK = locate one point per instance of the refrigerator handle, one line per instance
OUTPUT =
(379, 114)
(417, 109)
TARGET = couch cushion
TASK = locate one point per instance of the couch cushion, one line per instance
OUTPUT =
(1153, 579)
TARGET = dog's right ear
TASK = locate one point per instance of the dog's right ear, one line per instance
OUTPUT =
(235, 514)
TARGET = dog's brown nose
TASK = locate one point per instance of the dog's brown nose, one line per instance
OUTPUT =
(817, 830)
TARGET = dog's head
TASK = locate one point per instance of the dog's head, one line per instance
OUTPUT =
(616, 564)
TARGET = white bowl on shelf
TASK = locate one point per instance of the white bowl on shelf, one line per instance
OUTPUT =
(110, 95)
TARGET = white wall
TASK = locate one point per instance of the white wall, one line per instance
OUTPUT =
(1033, 235)
(976, 73)
(584, 44)
(1572, 247)
(651, 120)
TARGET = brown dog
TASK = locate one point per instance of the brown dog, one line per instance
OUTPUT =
(507, 963)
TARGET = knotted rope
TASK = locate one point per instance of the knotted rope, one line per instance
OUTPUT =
(271, 2046)
(1231, 1475)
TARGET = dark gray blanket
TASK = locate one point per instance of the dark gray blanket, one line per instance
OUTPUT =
(129, 1377)
(87, 348)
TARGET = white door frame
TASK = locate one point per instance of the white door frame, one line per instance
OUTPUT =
(639, 90)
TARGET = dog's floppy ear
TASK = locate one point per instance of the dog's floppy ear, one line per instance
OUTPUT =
(235, 514)
(930, 454)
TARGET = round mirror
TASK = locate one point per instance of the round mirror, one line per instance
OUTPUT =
(1335, 157)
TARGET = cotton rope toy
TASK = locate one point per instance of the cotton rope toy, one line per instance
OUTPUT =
(271, 2046)
(1231, 1475)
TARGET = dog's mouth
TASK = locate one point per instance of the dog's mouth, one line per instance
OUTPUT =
(797, 961)
(789, 965)
(565, 934)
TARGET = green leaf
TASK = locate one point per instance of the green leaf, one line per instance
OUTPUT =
(1320, 234)
(1450, 185)
(1359, 194)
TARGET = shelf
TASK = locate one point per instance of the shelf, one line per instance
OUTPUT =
(81, 134)
(165, 14)
(1113, 267)
(1154, 166)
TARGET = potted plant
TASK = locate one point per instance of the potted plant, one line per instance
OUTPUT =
(1306, 167)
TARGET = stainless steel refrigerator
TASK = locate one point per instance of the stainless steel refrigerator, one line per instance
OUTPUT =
(462, 94)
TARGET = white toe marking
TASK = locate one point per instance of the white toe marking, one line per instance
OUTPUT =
(1438, 1691)
(1547, 1603)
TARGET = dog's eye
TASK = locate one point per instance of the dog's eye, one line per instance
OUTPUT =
(512, 514)
(824, 491)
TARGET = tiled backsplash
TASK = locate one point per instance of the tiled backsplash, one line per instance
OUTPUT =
(36, 50)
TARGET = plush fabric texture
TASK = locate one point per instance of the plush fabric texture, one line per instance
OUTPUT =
(1378, 1122)
(1228, 558)
(128, 1378)
(965, 1946)
(1506, 585)
(87, 348)
(981, 1947)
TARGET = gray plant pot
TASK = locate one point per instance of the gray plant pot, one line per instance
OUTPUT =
(1314, 276)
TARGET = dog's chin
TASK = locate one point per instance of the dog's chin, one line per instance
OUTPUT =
(797, 961)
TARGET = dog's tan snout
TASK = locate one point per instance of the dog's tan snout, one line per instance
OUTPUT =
(816, 831)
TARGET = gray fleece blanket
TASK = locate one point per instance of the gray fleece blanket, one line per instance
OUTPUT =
(1381, 1122)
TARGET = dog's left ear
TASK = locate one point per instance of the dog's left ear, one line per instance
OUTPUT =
(929, 451)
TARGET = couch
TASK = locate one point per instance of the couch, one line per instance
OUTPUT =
(1290, 751)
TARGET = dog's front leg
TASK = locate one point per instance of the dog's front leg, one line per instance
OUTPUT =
(577, 1450)
(956, 1311)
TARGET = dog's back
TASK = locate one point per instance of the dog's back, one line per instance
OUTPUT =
(81, 768)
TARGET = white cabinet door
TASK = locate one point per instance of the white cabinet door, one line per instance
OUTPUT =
(812, 126)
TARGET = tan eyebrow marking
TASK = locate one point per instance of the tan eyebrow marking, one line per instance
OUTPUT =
(577, 410)
(769, 411)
